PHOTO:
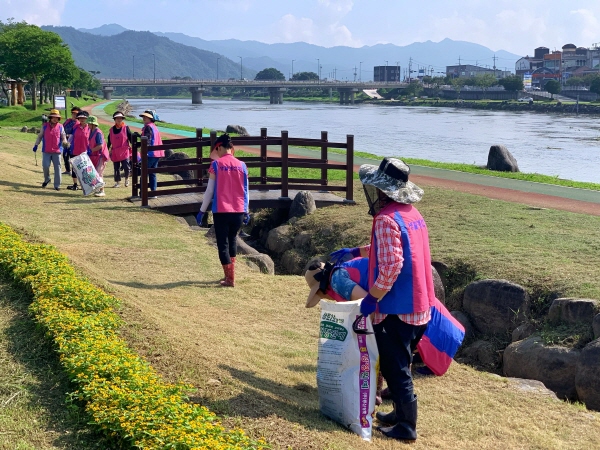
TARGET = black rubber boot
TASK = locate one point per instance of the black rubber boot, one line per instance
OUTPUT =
(406, 428)
(390, 418)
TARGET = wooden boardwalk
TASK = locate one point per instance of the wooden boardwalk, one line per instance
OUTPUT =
(189, 203)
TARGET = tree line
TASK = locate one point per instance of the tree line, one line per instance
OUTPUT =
(40, 59)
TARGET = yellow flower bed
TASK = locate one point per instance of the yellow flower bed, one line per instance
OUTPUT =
(124, 396)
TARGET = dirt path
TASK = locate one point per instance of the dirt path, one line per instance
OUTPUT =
(510, 195)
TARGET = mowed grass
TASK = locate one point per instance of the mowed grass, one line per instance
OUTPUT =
(33, 387)
(251, 351)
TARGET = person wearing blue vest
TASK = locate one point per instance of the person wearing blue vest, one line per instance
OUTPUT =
(401, 290)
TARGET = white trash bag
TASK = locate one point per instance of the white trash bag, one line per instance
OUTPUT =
(86, 174)
(346, 369)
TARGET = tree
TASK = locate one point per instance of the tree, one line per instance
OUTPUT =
(414, 89)
(29, 53)
(595, 85)
(512, 83)
(457, 84)
(553, 87)
(305, 76)
(270, 74)
(84, 81)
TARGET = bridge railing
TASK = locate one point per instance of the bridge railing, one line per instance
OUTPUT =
(267, 158)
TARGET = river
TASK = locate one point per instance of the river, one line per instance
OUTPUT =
(559, 145)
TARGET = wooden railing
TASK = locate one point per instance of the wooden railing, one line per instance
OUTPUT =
(266, 160)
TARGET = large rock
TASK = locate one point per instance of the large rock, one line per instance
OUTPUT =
(293, 263)
(243, 248)
(523, 331)
(264, 262)
(238, 129)
(280, 239)
(573, 310)
(442, 270)
(24, 130)
(303, 204)
(495, 306)
(438, 286)
(531, 387)
(482, 352)
(554, 366)
(499, 158)
(303, 241)
(184, 174)
(464, 321)
(596, 326)
(587, 380)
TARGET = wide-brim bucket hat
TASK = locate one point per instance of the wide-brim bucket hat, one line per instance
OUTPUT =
(148, 114)
(55, 113)
(314, 285)
(92, 120)
(391, 177)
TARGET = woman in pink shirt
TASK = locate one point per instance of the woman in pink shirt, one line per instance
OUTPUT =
(228, 191)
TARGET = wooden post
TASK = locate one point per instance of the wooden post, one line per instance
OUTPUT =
(134, 167)
(199, 173)
(263, 155)
(324, 157)
(284, 164)
(350, 168)
(213, 138)
(144, 189)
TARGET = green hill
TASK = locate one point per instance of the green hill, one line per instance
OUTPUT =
(113, 56)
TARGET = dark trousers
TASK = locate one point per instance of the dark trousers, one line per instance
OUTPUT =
(118, 165)
(152, 164)
(227, 226)
(66, 159)
(395, 341)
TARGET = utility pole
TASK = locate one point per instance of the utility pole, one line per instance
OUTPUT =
(218, 58)
(360, 71)
(409, 69)
(355, 74)
(385, 75)
(154, 57)
(495, 62)
(292, 68)
(241, 68)
(397, 71)
(133, 66)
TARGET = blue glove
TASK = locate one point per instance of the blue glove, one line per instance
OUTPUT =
(368, 305)
(340, 255)
(89, 152)
(246, 219)
(199, 218)
(35, 148)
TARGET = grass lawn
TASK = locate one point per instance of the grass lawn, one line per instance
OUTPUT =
(251, 351)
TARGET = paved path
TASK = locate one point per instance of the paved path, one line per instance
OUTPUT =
(527, 192)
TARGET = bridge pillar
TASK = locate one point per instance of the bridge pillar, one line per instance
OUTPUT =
(276, 95)
(196, 95)
(107, 91)
(347, 95)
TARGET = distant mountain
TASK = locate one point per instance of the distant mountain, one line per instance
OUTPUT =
(105, 30)
(114, 55)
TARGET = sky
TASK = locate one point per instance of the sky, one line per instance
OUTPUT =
(517, 26)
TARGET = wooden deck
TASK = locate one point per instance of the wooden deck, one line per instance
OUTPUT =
(190, 203)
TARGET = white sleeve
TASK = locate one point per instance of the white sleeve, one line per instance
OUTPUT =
(208, 195)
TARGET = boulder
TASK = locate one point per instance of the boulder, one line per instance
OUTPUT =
(587, 379)
(243, 248)
(252, 265)
(168, 153)
(442, 270)
(554, 366)
(264, 262)
(495, 306)
(531, 387)
(596, 326)
(303, 204)
(482, 352)
(464, 321)
(438, 286)
(523, 331)
(24, 130)
(280, 240)
(184, 174)
(293, 263)
(238, 129)
(573, 310)
(499, 158)
(303, 240)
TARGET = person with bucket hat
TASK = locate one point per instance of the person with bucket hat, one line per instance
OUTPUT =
(53, 138)
(68, 125)
(151, 132)
(401, 291)
(79, 142)
(119, 145)
(227, 189)
(98, 150)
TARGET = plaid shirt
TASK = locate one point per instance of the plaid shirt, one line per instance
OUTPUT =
(391, 259)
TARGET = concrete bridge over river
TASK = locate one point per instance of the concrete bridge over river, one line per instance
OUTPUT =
(347, 89)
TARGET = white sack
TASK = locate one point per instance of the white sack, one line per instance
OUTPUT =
(86, 174)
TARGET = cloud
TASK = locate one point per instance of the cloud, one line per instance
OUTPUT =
(342, 7)
(37, 12)
(295, 29)
(588, 26)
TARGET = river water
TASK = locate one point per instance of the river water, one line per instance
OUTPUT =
(559, 145)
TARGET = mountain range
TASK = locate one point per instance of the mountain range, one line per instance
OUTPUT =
(343, 63)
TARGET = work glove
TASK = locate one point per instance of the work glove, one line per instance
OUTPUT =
(35, 148)
(89, 152)
(342, 254)
(65, 145)
(247, 218)
(368, 305)
(199, 218)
